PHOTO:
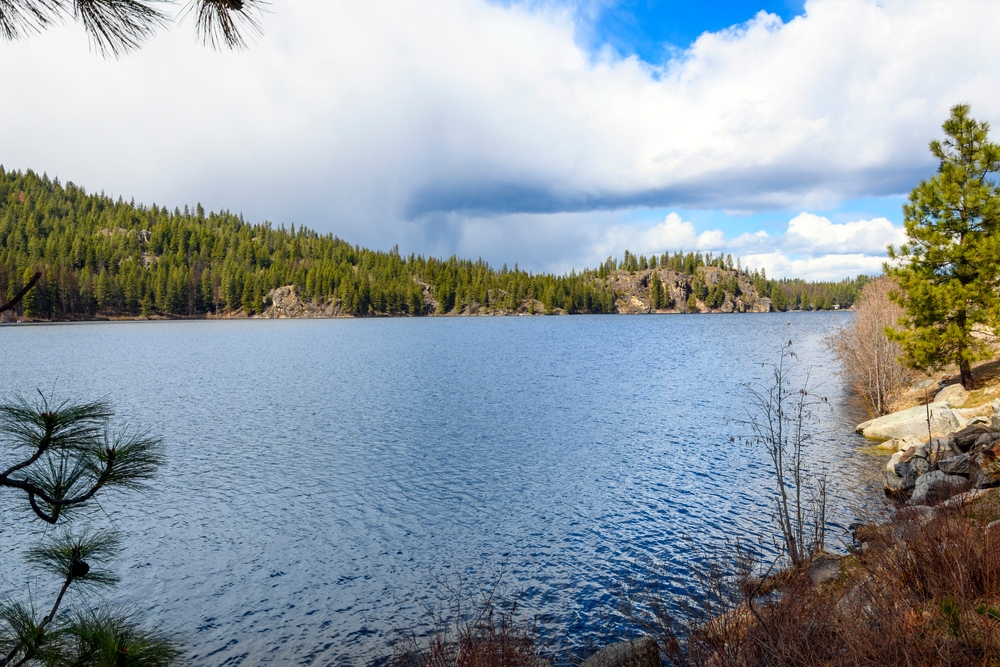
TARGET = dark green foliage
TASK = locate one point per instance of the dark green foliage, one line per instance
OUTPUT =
(74, 556)
(110, 637)
(56, 458)
(801, 295)
(949, 267)
(67, 453)
(101, 257)
(656, 291)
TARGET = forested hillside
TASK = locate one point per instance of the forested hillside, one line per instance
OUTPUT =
(100, 257)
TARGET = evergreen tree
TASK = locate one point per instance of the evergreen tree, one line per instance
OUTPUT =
(949, 267)
(692, 304)
(656, 291)
(779, 300)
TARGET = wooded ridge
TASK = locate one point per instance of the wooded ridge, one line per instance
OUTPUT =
(105, 258)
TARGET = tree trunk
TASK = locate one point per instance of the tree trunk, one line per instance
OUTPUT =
(966, 370)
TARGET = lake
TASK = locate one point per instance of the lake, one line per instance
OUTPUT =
(324, 476)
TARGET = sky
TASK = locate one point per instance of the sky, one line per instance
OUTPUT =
(547, 133)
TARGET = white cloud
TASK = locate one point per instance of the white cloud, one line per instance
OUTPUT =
(426, 123)
(812, 246)
(674, 232)
(824, 267)
(814, 234)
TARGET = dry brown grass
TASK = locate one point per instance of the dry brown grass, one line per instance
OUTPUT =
(921, 592)
(481, 627)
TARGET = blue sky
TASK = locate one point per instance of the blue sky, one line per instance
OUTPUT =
(550, 133)
(654, 29)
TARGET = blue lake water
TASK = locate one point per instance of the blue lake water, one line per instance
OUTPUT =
(324, 475)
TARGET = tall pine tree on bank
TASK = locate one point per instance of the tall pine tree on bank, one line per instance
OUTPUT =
(949, 268)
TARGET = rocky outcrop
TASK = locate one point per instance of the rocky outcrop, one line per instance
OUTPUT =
(953, 396)
(984, 465)
(285, 302)
(911, 422)
(642, 652)
(899, 444)
(633, 291)
(962, 455)
(936, 486)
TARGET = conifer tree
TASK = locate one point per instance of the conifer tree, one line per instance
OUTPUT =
(655, 291)
(949, 267)
(55, 459)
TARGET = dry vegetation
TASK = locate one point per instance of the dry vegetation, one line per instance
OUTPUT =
(868, 358)
(921, 592)
(477, 628)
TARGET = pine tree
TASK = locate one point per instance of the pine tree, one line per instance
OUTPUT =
(692, 304)
(949, 267)
(656, 291)
(779, 300)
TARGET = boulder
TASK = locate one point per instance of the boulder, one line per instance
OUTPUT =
(856, 603)
(899, 444)
(965, 438)
(823, 569)
(912, 422)
(641, 652)
(956, 465)
(936, 486)
(985, 440)
(953, 396)
(940, 448)
(903, 469)
(964, 498)
(984, 468)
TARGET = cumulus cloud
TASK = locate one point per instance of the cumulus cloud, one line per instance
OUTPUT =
(815, 234)
(436, 123)
(811, 247)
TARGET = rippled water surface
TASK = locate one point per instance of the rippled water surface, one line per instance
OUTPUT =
(324, 474)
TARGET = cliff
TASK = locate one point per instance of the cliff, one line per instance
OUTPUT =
(633, 291)
(714, 290)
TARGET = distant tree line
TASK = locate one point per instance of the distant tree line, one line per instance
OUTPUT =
(100, 257)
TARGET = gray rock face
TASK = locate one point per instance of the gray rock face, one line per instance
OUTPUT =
(936, 486)
(823, 570)
(956, 465)
(941, 448)
(967, 437)
(911, 422)
(953, 395)
(642, 652)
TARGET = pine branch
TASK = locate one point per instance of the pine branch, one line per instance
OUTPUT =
(34, 279)
(223, 22)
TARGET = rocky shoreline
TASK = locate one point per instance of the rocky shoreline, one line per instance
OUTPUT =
(939, 450)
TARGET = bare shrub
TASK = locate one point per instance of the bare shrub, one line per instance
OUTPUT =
(778, 417)
(868, 359)
(924, 591)
(481, 627)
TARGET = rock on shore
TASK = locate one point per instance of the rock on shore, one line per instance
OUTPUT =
(962, 450)
(911, 422)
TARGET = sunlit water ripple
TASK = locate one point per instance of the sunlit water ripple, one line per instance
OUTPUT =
(323, 476)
